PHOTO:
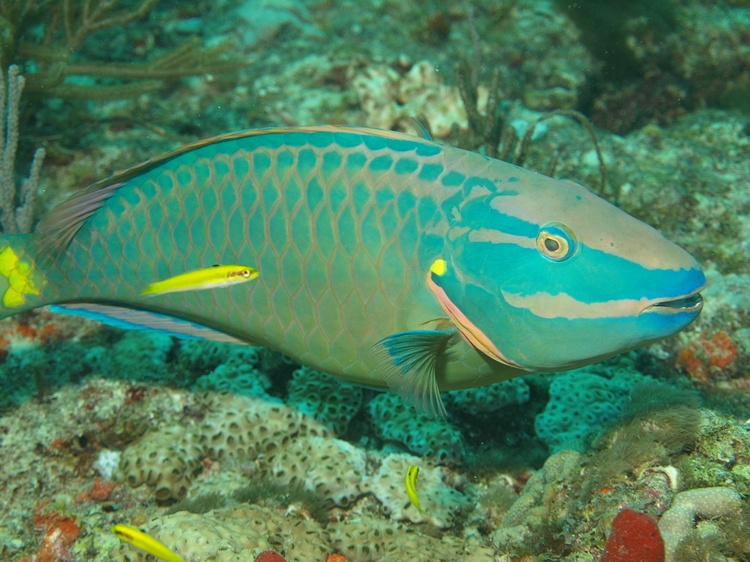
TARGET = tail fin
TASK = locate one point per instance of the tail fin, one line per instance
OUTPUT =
(21, 282)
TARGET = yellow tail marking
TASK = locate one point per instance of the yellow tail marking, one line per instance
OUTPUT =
(18, 273)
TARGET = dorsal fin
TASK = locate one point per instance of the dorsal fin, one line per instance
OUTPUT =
(60, 226)
(422, 127)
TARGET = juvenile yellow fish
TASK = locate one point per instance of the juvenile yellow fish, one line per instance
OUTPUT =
(145, 542)
(411, 486)
(206, 278)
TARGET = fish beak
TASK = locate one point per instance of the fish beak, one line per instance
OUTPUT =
(691, 304)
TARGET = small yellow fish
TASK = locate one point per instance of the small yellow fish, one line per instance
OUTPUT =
(206, 278)
(411, 486)
(145, 542)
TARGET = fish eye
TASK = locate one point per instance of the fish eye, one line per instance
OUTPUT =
(556, 242)
(245, 273)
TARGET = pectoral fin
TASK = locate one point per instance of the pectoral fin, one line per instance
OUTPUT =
(407, 362)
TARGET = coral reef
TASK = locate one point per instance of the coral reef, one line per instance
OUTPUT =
(236, 378)
(64, 51)
(261, 20)
(164, 460)
(364, 539)
(229, 452)
(331, 468)
(490, 398)
(140, 355)
(415, 431)
(581, 403)
(390, 99)
(442, 502)
(634, 536)
(541, 504)
(322, 397)
(231, 535)
(690, 506)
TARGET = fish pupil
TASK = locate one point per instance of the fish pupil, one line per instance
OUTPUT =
(551, 244)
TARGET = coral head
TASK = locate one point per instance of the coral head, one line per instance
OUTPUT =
(270, 556)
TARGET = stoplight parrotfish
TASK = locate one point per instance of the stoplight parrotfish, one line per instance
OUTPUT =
(382, 258)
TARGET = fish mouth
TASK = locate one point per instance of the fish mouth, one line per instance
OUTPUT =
(691, 304)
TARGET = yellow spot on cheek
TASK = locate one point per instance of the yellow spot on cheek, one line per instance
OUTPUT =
(439, 267)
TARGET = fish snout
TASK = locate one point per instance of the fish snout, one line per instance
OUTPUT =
(687, 300)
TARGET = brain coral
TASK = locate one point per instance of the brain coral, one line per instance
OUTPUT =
(490, 398)
(580, 403)
(366, 539)
(329, 400)
(139, 354)
(164, 460)
(331, 468)
(236, 534)
(237, 428)
(441, 502)
(363, 538)
(237, 378)
(203, 356)
(242, 426)
(416, 431)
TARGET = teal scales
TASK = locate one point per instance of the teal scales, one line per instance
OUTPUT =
(382, 258)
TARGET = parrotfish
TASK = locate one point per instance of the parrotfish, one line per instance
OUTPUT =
(383, 258)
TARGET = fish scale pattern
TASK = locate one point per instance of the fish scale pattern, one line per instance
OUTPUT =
(332, 221)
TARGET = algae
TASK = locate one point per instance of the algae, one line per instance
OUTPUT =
(604, 30)
(659, 423)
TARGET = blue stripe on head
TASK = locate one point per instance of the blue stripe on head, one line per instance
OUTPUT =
(477, 214)
(590, 276)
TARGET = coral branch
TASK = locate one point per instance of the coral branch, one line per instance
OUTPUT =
(17, 205)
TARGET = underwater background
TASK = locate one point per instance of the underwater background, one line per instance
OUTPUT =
(223, 452)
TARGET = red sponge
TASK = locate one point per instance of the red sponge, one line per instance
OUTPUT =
(634, 538)
(269, 556)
